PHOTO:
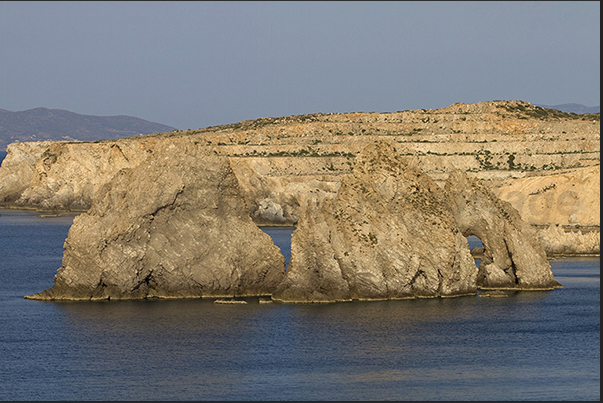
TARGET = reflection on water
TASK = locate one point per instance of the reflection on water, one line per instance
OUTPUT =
(412, 349)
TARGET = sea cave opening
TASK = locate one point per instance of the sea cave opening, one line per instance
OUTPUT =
(476, 247)
(281, 236)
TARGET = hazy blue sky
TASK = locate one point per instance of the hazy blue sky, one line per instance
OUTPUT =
(199, 64)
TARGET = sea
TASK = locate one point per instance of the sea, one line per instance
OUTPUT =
(542, 345)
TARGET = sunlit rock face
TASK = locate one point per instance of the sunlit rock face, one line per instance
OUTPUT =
(545, 162)
(387, 234)
(556, 241)
(513, 256)
(571, 197)
(175, 226)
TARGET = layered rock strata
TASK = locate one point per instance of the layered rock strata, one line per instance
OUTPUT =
(278, 160)
(177, 226)
(546, 163)
(174, 226)
(392, 233)
(57, 176)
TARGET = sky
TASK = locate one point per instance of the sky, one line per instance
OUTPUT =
(196, 64)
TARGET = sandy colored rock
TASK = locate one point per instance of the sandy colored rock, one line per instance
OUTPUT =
(18, 169)
(175, 226)
(557, 241)
(279, 160)
(567, 198)
(386, 235)
(66, 175)
(513, 257)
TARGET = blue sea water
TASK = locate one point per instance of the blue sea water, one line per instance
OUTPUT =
(530, 346)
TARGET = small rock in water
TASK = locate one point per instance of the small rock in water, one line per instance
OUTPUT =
(229, 301)
(493, 294)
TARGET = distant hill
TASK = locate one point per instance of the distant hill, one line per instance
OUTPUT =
(573, 108)
(56, 124)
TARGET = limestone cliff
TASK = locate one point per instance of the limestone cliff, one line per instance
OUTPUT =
(174, 226)
(557, 241)
(278, 160)
(18, 169)
(177, 226)
(65, 175)
(546, 163)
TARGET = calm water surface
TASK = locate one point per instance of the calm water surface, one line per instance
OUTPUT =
(529, 346)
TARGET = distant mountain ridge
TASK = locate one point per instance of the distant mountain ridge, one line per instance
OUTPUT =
(40, 124)
(573, 108)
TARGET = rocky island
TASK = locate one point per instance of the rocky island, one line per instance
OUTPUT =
(382, 203)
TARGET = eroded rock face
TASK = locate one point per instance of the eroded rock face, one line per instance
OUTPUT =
(557, 241)
(175, 226)
(387, 234)
(18, 169)
(513, 256)
(63, 175)
(569, 198)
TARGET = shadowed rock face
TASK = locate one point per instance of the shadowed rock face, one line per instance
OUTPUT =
(387, 234)
(513, 255)
(175, 226)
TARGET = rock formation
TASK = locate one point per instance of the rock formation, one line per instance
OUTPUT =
(175, 226)
(307, 170)
(392, 233)
(557, 241)
(63, 176)
(513, 257)
(17, 170)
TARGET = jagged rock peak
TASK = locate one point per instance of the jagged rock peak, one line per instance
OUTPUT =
(175, 226)
(385, 235)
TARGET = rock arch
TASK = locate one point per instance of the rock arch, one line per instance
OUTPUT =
(513, 257)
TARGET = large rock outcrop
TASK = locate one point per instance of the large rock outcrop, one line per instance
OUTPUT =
(63, 176)
(18, 169)
(386, 235)
(513, 257)
(175, 226)
(393, 233)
